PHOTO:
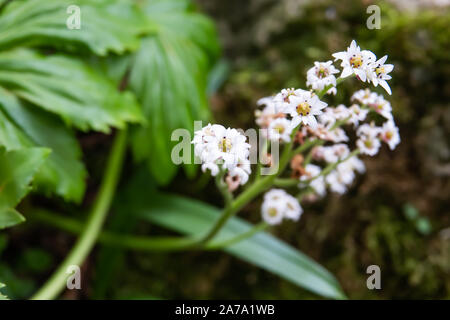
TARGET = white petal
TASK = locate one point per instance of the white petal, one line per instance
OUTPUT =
(386, 87)
(346, 72)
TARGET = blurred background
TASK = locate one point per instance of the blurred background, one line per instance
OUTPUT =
(396, 216)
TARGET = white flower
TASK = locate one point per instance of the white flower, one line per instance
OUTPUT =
(338, 135)
(344, 174)
(357, 114)
(389, 134)
(322, 75)
(203, 137)
(327, 133)
(332, 153)
(382, 106)
(273, 212)
(283, 98)
(280, 129)
(229, 147)
(335, 182)
(368, 130)
(217, 146)
(379, 73)
(355, 164)
(214, 168)
(355, 61)
(275, 195)
(368, 142)
(303, 108)
(277, 205)
(264, 117)
(331, 115)
(293, 210)
(317, 182)
(242, 170)
(364, 96)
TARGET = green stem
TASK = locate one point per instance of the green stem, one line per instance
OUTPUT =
(306, 145)
(245, 235)
(303, 193)
(263, 153)
(55, 285)
(223, 188)
(333, 166)
(249, 194)
(245, 197)
(139, 242)
(286, 182)
(289, 182)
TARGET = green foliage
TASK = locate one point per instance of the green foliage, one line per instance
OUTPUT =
(23, 125)
(263, 250)
(36, 260)
(36, 90)
(422, 224)
(67, 87)
(2, 297)
(17, 169)
(168, 75)
(43, 23)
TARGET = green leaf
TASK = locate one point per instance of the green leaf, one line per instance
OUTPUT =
(10, 217)
(43, 22)
(193, 217)
(17, 169)
(23, 126)
(69, 88)
(169, 76)
(2, 297)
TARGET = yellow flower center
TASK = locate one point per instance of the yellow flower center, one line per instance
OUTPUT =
(303, 109)
(272, 212)
(279, 128)
(368, 144)
(356, 61)
(389, 135)
(290, 207)
(225, 145)
(380, 70)
(322, 72)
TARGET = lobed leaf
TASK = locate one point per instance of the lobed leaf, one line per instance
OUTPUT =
(43, 23)
(17, 169)
(69, 88)
(168, 74)
(23, 125)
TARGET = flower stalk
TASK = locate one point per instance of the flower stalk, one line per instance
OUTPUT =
(55, 284)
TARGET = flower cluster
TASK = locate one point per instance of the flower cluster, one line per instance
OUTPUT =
(321, 76)
(222, 149)
(287, 110)
(323, 133)
(338, 179)
(278, 204)
(364, 64)
(371, 135)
